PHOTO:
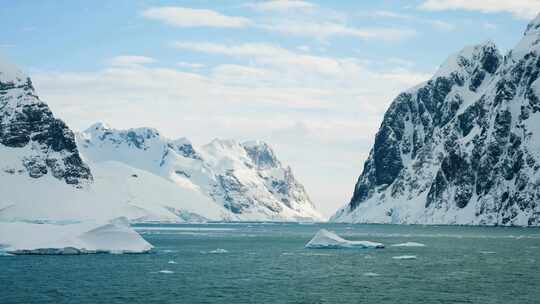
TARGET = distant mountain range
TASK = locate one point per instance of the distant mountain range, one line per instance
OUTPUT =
(47, 173)
(461, 148)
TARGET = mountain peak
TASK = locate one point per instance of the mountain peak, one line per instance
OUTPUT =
(98, 126)
(484, 55)
(533, 26)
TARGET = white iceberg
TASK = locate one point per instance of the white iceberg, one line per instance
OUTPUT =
(325, 239)
(409, 244)
(404, 257)
(74, 238)
(219, 250)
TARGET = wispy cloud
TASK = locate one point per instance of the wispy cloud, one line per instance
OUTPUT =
(280, 5)
(131, 60)
(190, 65)
(440, 24)
(324, 30)
(525, 9)
(188, 17)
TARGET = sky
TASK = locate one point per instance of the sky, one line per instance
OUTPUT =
(311, 78)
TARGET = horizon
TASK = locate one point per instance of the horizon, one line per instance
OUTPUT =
(204, 70)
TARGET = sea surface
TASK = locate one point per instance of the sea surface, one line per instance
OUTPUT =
(267, 263)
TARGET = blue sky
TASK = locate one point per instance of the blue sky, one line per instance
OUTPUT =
(313, 78)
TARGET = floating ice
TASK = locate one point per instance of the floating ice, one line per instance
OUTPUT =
(166, 271)
(371, 274)
(171, 262)
(71, 239)
(409, 244)
(404, 257)
(325, 239)
(219, 250)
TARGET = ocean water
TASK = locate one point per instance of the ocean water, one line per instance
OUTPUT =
(267, 263)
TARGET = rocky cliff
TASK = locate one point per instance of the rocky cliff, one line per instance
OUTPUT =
(462, 148)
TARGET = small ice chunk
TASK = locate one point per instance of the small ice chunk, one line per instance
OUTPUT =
(404, 257)
(325, 239)
(171, 262)
(409, 244)
(487, 252)
(371, 274)
(166, 271)
(218, 250)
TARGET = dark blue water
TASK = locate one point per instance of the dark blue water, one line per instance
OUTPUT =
(267, 263)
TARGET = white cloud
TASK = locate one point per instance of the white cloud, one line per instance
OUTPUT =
(323, 30)
(190, 65)
(280, 5)
(130, 60)
(188, 17)
(439, 24)
(525, 9)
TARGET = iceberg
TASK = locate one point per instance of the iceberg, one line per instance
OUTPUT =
(409, 244)
(115, 236)
(404, 257)
(325, 239)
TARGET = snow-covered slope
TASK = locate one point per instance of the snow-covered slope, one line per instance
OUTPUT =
(43, 177)
(462, 148)
(246, 179)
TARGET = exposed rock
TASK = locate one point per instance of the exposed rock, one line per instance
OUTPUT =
(462, 148)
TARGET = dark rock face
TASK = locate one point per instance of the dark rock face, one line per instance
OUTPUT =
(262, 155)
(465, 145)
(27, 122)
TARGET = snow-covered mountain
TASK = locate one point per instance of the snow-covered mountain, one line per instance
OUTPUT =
(462, 148)
(136, 174)
(246, 179)
(43, 176)
(32, 141)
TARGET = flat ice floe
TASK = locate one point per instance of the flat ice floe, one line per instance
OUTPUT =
(404, 257)
(114, 236)
(166, 271)
(325, 239)
(409, 244)
(219, 250)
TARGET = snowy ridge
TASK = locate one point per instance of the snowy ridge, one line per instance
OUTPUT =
(246, 181)
(462, 148)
